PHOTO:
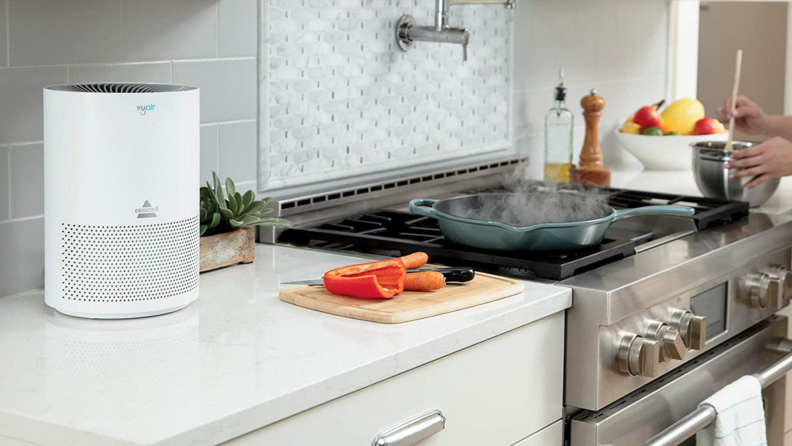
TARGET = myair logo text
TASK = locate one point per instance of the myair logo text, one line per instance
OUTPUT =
(143, 109)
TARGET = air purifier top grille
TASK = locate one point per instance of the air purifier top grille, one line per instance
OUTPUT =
(121, 88)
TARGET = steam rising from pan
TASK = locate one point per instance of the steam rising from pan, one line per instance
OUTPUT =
(522, 208)
(524, 203)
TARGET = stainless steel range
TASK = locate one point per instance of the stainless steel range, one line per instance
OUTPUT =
(666, 311)
(650, 315)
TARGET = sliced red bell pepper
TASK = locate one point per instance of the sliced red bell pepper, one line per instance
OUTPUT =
(374, 280)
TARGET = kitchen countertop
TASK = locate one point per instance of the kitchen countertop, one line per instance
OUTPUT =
(234, 361)
(682, 182)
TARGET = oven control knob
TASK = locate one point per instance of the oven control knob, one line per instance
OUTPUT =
(758, 286)
(780, 284)
(673, 347)
(692, 328)
(639, 356)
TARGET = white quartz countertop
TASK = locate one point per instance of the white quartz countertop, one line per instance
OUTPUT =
(682, 182)
(236, 360)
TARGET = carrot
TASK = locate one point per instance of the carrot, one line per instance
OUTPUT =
(425, 281)
(415, 260)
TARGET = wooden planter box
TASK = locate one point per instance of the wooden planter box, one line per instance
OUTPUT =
(230, 248)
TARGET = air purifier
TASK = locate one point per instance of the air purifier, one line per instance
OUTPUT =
(121, 212)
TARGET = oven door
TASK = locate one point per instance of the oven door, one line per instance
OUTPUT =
(636, 418)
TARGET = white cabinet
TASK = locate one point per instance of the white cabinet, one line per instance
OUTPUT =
(496, 393)
(552, 435)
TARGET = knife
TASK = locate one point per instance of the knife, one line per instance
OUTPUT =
(459, 274)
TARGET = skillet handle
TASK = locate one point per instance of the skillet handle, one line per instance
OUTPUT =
(680, 211)
(423, 207)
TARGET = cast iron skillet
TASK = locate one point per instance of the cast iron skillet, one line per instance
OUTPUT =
(544, 222)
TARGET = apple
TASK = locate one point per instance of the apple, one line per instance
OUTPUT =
(707, 126)
(647, 117)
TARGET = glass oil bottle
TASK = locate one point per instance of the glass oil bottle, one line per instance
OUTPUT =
(558, 137)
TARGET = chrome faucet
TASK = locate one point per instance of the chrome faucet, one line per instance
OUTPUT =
(408, 32)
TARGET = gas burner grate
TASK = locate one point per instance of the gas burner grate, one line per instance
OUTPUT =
(395, 233)
(400, 233)
(709, 211)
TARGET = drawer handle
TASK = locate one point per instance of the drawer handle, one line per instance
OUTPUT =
(412, 431)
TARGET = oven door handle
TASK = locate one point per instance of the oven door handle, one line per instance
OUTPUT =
(702, 417)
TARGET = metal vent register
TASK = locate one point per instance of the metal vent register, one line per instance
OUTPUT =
(129, 263)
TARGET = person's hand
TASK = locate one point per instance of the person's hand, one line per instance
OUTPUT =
(748, 117)
(770, 159)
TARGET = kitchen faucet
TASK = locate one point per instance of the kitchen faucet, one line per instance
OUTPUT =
(408, 31)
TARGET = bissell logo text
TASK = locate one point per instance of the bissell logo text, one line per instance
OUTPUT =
(143, 109)
(147, 210)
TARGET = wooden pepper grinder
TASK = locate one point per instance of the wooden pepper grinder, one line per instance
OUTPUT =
(591, 171)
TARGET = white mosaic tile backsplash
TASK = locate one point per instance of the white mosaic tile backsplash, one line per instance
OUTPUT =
(344, 99)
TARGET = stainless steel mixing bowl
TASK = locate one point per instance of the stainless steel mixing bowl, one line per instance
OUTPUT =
(712, 177)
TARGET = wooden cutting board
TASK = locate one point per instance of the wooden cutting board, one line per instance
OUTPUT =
(408, 306)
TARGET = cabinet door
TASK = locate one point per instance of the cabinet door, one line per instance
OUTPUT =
(552, 435)
(495, 393)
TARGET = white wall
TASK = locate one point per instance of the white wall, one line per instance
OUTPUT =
(208, 43)
(617, 47)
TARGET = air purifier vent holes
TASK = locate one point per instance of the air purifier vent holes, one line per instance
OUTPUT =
(121, 88)
(129, 263)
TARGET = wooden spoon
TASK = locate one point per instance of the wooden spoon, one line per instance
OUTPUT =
(737, 70)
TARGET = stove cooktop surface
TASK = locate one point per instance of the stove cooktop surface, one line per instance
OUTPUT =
(394, 232)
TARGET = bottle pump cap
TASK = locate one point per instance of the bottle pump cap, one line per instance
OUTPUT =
(560, 90)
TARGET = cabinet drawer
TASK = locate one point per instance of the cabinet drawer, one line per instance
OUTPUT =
(495, 393)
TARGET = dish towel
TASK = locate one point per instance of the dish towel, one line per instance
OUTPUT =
(741, 418)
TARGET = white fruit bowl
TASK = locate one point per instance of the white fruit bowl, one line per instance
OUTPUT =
(664, 152)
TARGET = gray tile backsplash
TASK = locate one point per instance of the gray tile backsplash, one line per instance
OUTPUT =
(50, 32)
(172, 29)
(3, 33)
(208, 151)
(27, 179)
(237, 28)
(208, 43)
(22, 255)
(5, 185)
(21, 98)
(228, 87)
(157, 72)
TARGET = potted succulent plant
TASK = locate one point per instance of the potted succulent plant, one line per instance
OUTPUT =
(227, 233)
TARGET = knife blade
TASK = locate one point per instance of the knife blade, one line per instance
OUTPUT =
(457, 274)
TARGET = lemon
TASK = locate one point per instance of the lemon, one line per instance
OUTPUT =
(629, 120)
(681, 116)
(631, 127)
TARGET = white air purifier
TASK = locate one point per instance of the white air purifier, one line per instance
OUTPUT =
(121, 177)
